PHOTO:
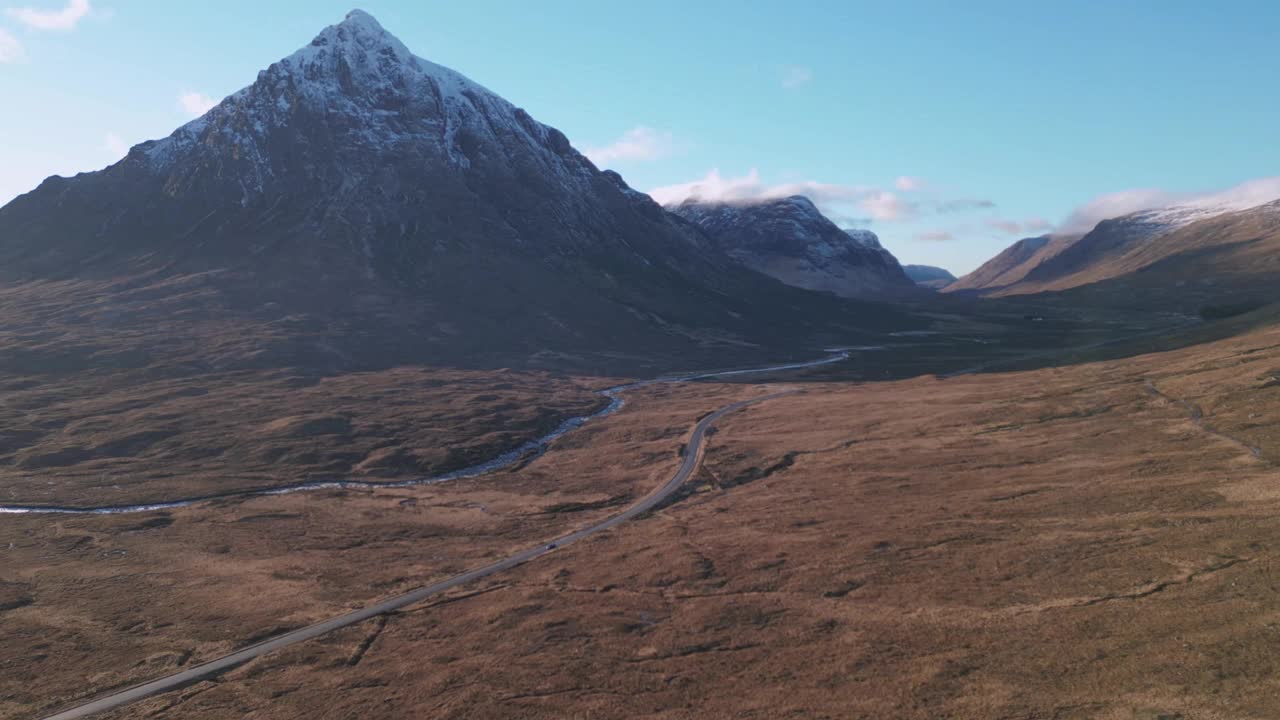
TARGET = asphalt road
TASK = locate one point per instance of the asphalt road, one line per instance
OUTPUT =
(692, 457)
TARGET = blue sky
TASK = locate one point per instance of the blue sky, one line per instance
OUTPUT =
(951, 129)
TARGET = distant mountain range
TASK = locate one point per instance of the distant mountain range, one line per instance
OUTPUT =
(357, 205)
(791, 240)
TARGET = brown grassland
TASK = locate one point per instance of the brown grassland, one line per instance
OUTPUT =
(1093, 540)
(134, 438)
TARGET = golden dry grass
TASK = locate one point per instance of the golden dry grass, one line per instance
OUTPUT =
(1061, 543)
(83, 440)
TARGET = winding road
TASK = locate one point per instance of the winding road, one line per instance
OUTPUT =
(692, 458)
(525, 452)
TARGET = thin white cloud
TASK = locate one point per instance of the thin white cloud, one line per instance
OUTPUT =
(11, 50)
(63, 20)
(934, 236)
(839, 201)
(958, 205)
(1248, 194)
(749, 188)
(195, 104)
(796, 76)
(1020, 227)
(1011, 227)
(115, 146)
(638, 143)
(906, 183)
(1115, 204)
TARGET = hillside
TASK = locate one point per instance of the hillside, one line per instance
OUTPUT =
(1220, 265)
(929, 276)
(1007, 268)
(1190, 254)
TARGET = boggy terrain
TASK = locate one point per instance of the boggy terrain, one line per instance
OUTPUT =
(131, 438)
(1088, 541)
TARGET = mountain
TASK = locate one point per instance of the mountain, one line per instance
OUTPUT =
(1179, 259)
(1113, 247)
(929, 276)
(357, 205)
(1010, 266)
(1226, 258)
(791, 240)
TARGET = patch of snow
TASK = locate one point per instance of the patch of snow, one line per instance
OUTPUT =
(373, 93)
(1248, 196)
(865, 238)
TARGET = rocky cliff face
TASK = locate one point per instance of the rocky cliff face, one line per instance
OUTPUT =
(393, 210)
(792, 241)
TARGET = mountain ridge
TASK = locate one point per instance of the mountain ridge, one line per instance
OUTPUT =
(401, 212)
(790, 239)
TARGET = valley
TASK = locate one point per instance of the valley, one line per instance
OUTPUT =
(365, 394)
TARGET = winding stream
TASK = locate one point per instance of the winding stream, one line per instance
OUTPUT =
(529, 450)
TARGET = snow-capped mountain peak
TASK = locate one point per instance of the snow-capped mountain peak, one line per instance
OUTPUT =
(404, 208)
(865, 238)
(1245, 196)
(367, 60)
(354, 88)
(790, 239)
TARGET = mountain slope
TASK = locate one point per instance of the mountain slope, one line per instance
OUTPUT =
(929, 276)
(1113, 248)
(789, 239)
(1227, 259)
(362, 204)
(1011, 265)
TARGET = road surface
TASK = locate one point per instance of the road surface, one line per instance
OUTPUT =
(692, 457)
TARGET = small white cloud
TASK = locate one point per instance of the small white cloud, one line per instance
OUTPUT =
(908, 184)
(115, 146)
(858, 204)
(750, 188)
(196, 104)
(885, 205)
(1036, 224)
(795, 76)
(960, 205)
(638, 143)
(1012, 227)
(1020, 227)
(64, 20)
(11, 50)
(934, 236)
(713, 188)
(1115, 204)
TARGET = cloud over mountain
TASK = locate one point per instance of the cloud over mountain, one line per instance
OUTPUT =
(1250, 193)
